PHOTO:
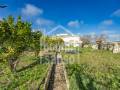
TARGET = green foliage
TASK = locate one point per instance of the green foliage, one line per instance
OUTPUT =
(94, 70)
(28, 76)
(36, 42)
(54, 43)
(15, 38)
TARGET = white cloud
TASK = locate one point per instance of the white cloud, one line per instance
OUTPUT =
(107, 22)
(116, 13)
(43, 22)
(31, 10)
(75, 23)
(107, 32)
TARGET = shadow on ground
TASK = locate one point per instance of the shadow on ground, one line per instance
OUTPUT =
(80, 84)
(41, 60)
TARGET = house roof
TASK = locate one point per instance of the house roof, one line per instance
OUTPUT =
(55, 29)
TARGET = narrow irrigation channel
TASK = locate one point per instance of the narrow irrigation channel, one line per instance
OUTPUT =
(57, 79)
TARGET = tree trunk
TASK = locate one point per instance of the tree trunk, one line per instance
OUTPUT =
(37, 53)
(82, 45)
(99, 46)
(13, 63)
(108, 47)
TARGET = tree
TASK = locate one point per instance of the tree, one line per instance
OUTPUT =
(58, 42)
(36, 42)
(86, 39)
(100, 40)
(15, 38)
(55, 43)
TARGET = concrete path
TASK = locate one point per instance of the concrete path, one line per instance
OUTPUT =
(59, 78)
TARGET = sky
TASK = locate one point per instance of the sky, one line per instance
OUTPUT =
(78, 16)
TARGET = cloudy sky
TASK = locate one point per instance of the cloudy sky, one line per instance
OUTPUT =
(79, 16)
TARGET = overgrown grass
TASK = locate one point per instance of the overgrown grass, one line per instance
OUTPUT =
(93, 70)
(28, 76)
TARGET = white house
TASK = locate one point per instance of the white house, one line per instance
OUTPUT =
(70, 40)
(68, 37)
(116, 48)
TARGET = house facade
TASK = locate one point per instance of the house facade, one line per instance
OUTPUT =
(68, 37)
(70, 40)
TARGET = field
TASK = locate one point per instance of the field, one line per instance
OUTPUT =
(93, 70)
(29, 74)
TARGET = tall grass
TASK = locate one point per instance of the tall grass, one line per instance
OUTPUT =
(93, 70)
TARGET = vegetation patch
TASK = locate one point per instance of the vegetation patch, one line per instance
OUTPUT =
(28, 76)
(93, 70)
